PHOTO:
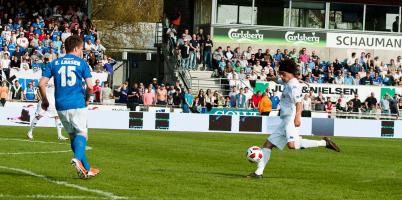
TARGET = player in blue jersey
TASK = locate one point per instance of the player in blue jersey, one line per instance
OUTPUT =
(69, 73)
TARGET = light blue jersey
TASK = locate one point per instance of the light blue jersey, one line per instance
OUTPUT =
(69, 73)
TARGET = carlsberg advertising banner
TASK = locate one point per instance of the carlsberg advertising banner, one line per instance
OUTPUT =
(271, 37)
(333, 90)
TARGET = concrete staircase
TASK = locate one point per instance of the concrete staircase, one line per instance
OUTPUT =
(203, 80)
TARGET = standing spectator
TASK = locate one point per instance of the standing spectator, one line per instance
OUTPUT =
(177, 97)
(371, 101)
(5, 65)
(384, 104)
(123, 93)
(30, 94)
(328, 106)
(319, 102)
(161, 95)
(275, 101)
(133, 97)
(241, 99)
(232, 96)
(355, 68)
(255, 99)
(356, 103)
(16, 91)
(149, 97)
(265, 105)
(341, 103)
(185, 55)
(201, 98)
(194, 48)
(306, 105)
(247, 54)
(97, 91)
(188, 101)
(393, 104)
(3, 93)
(208, 44)
(248, 94)
(107, 94)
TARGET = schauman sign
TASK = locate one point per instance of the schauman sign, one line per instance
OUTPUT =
(362, 41)
(274, 37)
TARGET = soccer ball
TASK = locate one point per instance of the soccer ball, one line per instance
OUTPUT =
(254, 154)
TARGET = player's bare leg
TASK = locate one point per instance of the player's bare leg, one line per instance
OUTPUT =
(33, 125)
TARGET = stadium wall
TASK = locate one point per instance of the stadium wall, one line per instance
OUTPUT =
(108, 118)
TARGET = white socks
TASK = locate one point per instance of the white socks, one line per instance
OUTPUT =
(261, 165)
(33, 124)
(58, 127)
(304, 143)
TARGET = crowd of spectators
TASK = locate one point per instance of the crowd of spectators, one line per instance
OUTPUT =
(32, 34)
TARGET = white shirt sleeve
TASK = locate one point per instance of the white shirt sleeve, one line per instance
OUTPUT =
(297, 95)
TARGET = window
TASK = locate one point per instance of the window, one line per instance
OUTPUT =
(382, 18)
(235, 12)
(272, 12)
(308, 14)
(346, 16)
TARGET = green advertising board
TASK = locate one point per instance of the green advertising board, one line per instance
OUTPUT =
(269, 37)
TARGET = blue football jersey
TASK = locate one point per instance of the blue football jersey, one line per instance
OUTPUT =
(69, 73)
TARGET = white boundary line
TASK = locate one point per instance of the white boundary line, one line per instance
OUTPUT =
(44, 196)
(108, 195)
(38, 152)
(33, 141)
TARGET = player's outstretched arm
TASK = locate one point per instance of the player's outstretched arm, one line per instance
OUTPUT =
(42, 91)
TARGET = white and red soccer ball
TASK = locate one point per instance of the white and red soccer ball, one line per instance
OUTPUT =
(254, 154)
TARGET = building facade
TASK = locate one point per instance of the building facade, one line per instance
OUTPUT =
(334, 29)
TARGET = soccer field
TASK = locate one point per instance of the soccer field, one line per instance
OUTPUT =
(167, 165)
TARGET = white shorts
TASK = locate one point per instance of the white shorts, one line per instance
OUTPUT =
(50, 112)
(75, 121)
(286, 132)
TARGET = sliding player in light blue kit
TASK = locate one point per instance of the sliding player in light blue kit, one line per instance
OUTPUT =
(68, 73)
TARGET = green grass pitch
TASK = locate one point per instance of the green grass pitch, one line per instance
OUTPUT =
(171, 165)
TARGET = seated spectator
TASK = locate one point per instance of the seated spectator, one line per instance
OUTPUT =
(367, 80)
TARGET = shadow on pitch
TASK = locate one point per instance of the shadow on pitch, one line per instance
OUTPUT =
(229, 175)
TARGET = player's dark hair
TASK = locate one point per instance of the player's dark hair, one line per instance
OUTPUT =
(72, 42)
(288, 65)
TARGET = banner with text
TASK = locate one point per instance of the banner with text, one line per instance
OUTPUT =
(333, 90)
(272, 37)
(363, 41)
